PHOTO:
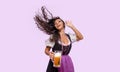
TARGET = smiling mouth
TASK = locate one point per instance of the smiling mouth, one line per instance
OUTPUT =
(58, 26)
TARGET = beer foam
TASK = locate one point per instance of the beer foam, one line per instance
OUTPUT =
(57, 54)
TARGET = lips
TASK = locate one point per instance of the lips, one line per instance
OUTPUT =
(58, 26)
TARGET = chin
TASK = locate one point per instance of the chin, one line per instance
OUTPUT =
(59, 28)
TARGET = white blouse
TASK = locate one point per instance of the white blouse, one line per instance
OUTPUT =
(51, 44)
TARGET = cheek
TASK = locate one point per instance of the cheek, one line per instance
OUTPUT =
(62, 24)
(55, 26)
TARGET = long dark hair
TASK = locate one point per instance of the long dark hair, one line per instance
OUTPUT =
(45, 22)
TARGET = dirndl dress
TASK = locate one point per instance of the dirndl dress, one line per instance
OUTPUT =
(66, 62)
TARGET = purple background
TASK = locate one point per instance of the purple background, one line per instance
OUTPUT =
(22, 44)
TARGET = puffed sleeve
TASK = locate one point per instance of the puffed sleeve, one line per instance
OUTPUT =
(49, 43)
(72, 37)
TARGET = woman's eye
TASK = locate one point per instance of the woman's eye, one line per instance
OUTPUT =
(59, 21)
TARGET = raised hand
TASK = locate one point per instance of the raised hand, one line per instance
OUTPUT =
(69, 23)
(78, 34)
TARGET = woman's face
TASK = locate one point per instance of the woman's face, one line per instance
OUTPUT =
(59, 24)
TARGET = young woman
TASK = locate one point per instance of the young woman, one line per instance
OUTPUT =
(59, 40)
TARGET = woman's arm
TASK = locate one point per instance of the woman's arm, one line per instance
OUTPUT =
(79, 36)
(47, 52)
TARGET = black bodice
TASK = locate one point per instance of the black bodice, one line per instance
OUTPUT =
(65, 49)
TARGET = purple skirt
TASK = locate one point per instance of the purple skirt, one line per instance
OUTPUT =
(66, 64)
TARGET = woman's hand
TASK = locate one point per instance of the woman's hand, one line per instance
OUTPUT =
(69, 23)
(51, 55)
(78, 34)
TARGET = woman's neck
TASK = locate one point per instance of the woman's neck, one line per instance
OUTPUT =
(62, 32)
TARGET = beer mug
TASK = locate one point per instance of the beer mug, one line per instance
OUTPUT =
(57, 58)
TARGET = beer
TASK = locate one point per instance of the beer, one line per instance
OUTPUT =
(57, 59)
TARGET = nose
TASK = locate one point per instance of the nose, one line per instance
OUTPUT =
(57, 24)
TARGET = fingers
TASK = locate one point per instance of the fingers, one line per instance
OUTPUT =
(68, 21)
(51, 55)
